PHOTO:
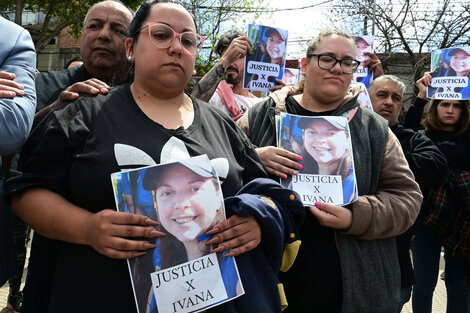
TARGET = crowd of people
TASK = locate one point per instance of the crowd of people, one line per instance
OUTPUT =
(125, 107)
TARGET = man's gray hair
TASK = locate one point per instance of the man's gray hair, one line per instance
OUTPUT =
(389, 78)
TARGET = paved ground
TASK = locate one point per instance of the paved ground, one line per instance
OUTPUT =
(439, 299)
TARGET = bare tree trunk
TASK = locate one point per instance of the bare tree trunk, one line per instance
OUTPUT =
(19, 11)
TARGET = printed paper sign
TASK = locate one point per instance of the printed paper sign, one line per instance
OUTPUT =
(318, 188)
(190, 286)
(180, 275)
(268, 57)
(327, 159)
(364, 44)
(291, 76)
(450, 71)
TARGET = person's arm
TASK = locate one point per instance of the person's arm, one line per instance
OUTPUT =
(207, 85)
(108, 232)
(16, 114)
(278, 211)
(395, 205)
(426, 161)
(415, 112)
(38, 193)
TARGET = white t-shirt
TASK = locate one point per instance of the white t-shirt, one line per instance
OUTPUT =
(243, 103)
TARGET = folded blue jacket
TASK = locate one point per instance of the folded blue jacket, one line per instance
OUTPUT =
(279, 212)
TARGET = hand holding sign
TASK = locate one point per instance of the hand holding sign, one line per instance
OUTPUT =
(238, 233)
(450, 74)
(267, 61)
(374, 64)
(423, 83)
(239, 48)
(114, 234)
(279, 162)
(333, 216)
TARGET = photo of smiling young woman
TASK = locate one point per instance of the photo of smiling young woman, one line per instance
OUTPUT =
(326, 151)
(452, 62)
(269, 47)
(188, 202)
(324, 146)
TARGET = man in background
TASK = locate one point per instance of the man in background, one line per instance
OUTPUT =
(228, 95)
(427, 163)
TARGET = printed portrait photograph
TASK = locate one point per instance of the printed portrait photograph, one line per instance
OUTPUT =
(185, 197)
(364, 43)
(267, 60)
(325, 147)
(451, 73)
(291, 76)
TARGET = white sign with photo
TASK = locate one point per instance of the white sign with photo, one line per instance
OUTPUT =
(190, 286)
(327, 173)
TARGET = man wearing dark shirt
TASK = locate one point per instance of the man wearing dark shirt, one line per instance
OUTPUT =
(103, 52)
(425, 160)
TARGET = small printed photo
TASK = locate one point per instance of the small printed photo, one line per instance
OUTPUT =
(325, 146)
(267, 60)
(185, 197)
(450, 74)
(364, 98)
(291, 76)
(364, 43)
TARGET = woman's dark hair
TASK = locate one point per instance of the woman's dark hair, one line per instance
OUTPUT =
(432, 123)
(143, 12)
(452, 72)
(178, 253)
(311, 166)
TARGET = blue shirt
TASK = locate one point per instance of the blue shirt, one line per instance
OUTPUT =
(17, 56)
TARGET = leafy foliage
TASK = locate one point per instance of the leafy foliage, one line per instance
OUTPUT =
(211, 17)
(58, 15)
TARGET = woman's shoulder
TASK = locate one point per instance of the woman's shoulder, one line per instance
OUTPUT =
(89, 106)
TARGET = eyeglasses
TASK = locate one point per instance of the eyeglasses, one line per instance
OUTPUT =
(327, 62)
(162, 36)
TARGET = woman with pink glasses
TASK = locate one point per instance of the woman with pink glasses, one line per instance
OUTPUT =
(64, 191)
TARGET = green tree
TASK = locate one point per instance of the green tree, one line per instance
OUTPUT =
(59, 14)
(213, 18)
